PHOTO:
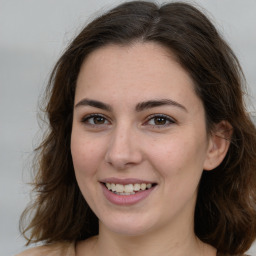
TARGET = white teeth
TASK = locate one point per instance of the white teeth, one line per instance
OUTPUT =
(136, 187)
(143, 186)
(128, 189)
(149, 185)
(119, 188)
(113, 187)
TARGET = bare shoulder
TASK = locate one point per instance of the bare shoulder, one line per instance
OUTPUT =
(56, 249)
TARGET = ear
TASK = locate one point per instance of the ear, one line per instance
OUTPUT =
(218, 146)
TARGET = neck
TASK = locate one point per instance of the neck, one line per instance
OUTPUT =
(180, 243)
(177, 238)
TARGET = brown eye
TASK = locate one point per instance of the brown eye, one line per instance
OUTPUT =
(98, 120)
(160, 120)
(95, 119)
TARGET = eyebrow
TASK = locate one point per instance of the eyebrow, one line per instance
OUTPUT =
(94, 103)
(139, 107)
(157, 103)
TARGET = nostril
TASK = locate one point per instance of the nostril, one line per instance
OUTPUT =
(122, 153)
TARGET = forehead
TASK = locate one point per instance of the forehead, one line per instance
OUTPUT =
(136, 72)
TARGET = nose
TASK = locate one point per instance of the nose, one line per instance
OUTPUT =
(123, 150)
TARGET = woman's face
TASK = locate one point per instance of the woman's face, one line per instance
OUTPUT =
(139, 142)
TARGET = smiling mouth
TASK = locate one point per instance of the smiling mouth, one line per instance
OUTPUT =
(128, 189)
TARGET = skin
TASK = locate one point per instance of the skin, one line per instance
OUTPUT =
(127, 143)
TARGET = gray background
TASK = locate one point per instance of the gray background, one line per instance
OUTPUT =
(32, 36)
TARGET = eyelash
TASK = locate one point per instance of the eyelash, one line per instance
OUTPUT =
(167, 119)
(87, 118)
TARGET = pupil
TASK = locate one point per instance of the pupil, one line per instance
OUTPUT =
(98, 120)
(160, 120)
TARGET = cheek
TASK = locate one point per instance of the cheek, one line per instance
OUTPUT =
(179, 155)
(85, 154)
(180, 164)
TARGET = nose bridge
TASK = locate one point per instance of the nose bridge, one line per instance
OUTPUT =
(123, 148)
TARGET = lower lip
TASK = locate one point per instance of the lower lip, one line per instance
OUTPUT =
(126, 199)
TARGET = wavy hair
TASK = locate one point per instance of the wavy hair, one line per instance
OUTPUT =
(225, 214)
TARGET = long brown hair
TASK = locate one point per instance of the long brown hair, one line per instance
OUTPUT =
(225, 214)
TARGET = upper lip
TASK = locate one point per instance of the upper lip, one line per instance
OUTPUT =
(126, 181)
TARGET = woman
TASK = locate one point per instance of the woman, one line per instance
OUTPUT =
(150, 149)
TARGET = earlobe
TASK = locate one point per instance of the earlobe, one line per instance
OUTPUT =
(219, 143)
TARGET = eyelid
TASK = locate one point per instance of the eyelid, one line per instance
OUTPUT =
(85, 118)
(171, 120)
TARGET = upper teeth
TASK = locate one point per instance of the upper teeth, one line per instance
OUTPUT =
(129, 188)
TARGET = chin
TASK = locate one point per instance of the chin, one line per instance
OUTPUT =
(129, 227)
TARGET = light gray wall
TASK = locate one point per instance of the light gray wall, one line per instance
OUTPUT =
(32, 36)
